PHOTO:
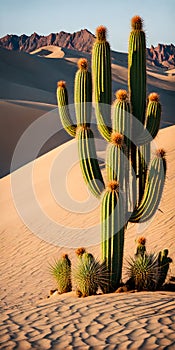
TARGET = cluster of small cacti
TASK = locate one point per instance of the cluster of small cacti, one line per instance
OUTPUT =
(61, 271)
(134, 184)
(147, 271)
(88, 274)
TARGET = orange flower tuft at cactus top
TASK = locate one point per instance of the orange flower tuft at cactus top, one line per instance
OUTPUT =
(121, 95)
(136, 23)
(153, 96)
(61, 84)
(101, 33)
(82, 63)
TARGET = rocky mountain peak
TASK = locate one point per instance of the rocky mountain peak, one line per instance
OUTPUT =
(81, 41)
(162, 56)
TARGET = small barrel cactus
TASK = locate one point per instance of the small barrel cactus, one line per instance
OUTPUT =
(143, 272)
(61, 271)
(89, 274)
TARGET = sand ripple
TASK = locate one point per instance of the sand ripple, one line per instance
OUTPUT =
(116, 321)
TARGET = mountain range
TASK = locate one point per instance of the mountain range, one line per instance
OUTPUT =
(162, 55)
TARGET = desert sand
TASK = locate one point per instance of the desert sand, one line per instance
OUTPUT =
(31, 320)
(38, 223)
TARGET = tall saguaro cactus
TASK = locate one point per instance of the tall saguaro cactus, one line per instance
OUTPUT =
(134, 183)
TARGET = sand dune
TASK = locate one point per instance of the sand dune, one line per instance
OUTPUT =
(50, 51)
(16, 117)
(32, 78)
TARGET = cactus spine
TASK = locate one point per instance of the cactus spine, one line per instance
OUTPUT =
(134, 183)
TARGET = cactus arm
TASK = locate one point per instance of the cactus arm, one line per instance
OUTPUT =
(83, 94)
(152, 123)
(86, 146)
(137, 70)
(121, 121)
(101, 70)
(62, 99)
(153, 116)
(137, 94)
(153, 190)
(88, 161)
(115, 163)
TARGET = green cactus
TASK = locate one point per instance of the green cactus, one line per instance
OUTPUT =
(137, 69)
(89, 274)
(163, 263)
(134, 183)
(141, 249)
(101, 75)
(112, 227)
(83, 94)
(143, 272)
(61, 271)
(62, 98)
(88, 161)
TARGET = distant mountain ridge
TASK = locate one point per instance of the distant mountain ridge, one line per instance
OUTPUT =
(162, 56)
(81, 41)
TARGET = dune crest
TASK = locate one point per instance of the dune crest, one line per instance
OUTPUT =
(49, 51)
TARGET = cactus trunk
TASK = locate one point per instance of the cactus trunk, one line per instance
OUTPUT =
(112, 219)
